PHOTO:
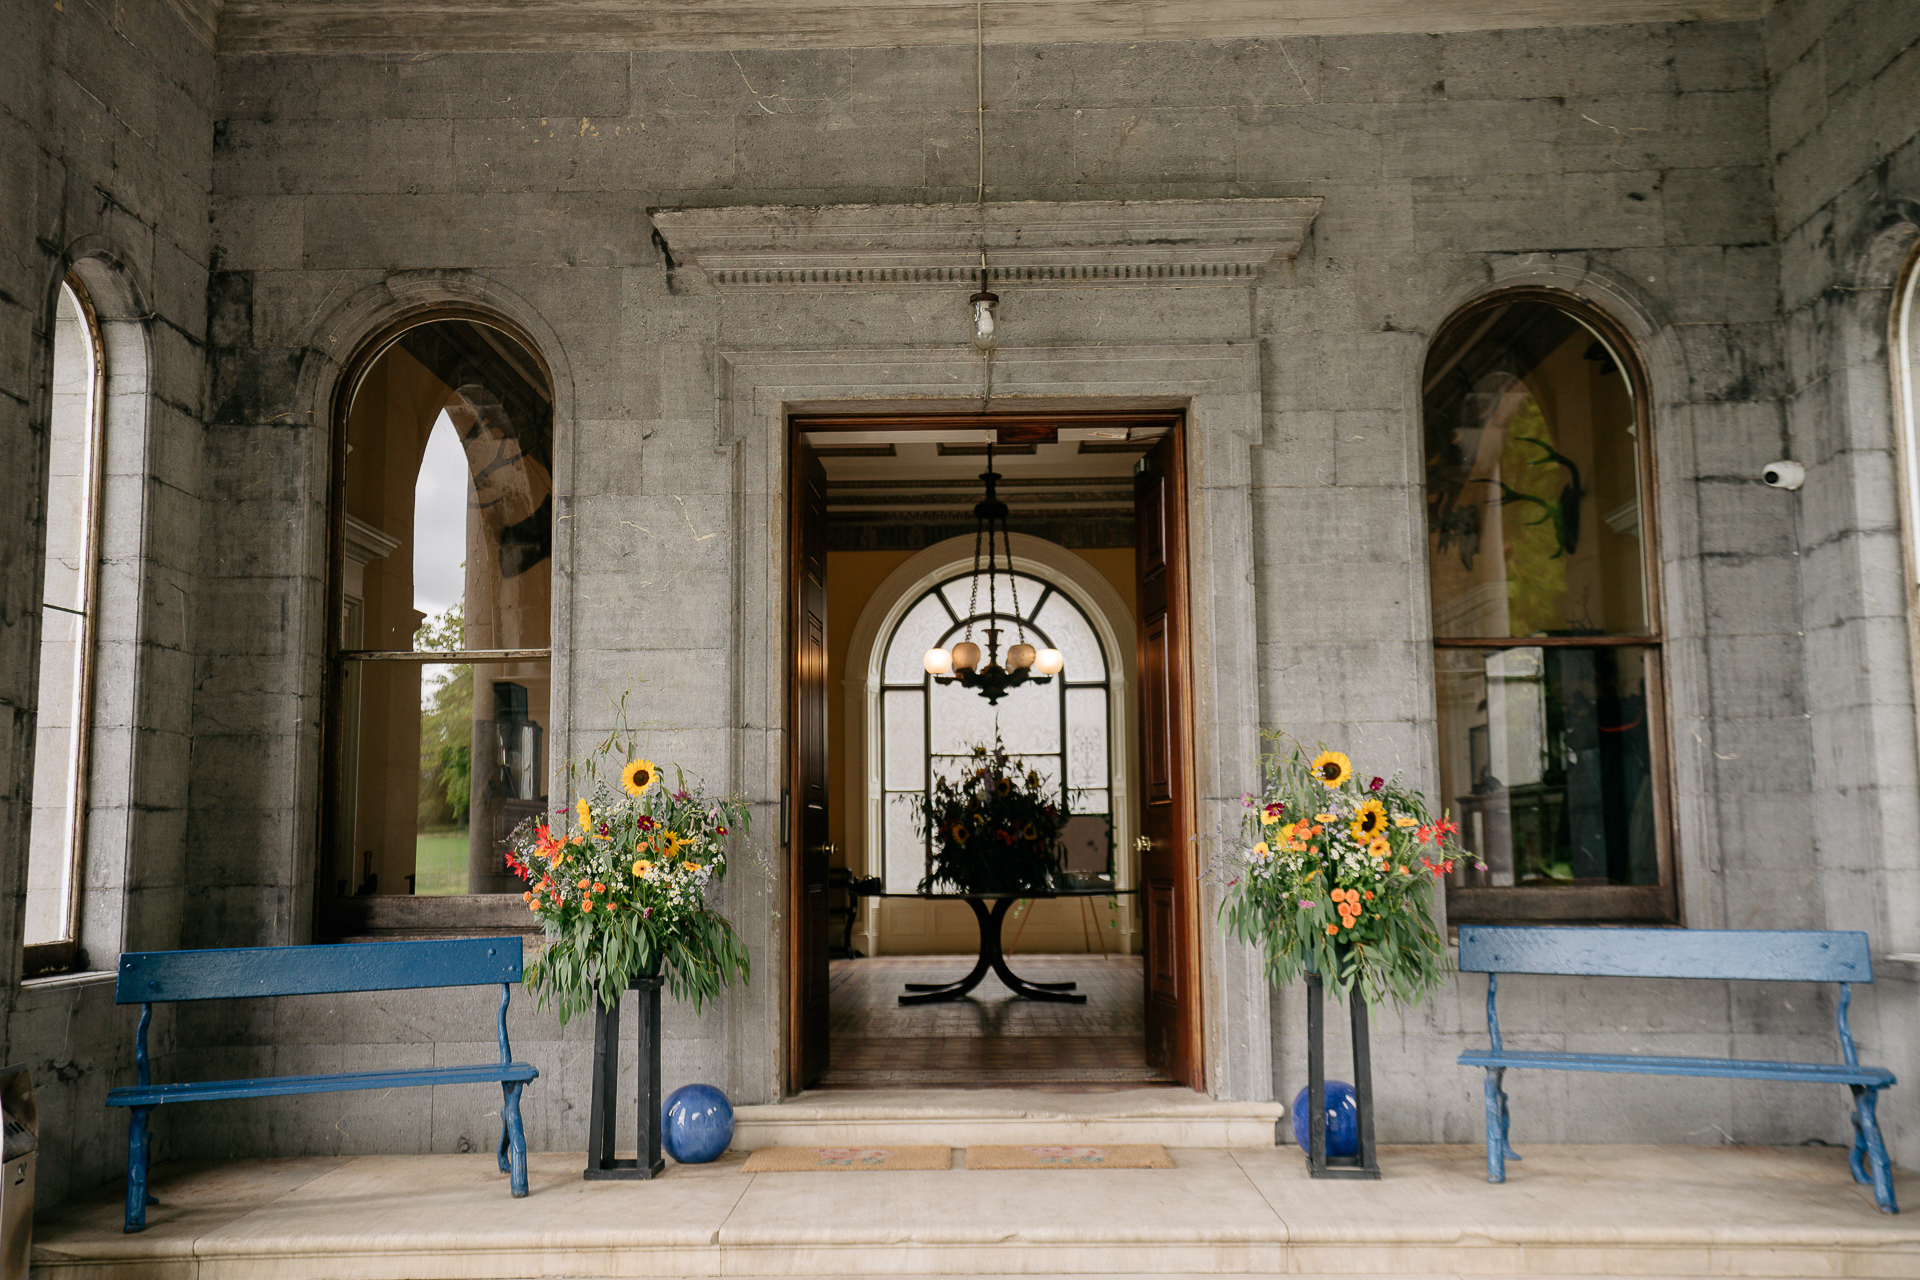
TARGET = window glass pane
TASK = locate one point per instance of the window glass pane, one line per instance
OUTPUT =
(1087, 737)
(60, 738)
(919, 631)
(1533, 499)
(969, 592)
(1090, 800)
(448, 541)
(905, 734)
(962, 719)
(1545, 758)
(1075, 640)
(906, 850)
(1029, 718)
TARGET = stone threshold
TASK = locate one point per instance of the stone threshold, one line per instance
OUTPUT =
(1566, 1211)
(1172, 1117)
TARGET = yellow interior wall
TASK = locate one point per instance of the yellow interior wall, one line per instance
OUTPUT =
(907, 926)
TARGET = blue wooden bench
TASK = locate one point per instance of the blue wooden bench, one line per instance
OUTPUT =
(1753, 955)
(148, 978)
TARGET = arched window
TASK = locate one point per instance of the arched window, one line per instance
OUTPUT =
(443, 569)
(1545, 614)
(76, 428)
(1060, 730)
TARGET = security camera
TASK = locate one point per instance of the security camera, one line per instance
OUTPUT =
(1784, 475)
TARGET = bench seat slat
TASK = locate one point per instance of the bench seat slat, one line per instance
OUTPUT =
(159, 977)
(276, 1086)
(1647, 1064)
(1778, 955)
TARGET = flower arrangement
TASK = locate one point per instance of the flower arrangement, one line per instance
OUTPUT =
(1336, 876)
(619, 882)
(994, 829)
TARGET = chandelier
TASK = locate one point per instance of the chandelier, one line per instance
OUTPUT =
(1024, 665)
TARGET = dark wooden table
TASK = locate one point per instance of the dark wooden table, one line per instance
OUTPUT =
(992, 957)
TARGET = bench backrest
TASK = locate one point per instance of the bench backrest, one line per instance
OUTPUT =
(153, 977)
(1764, 954)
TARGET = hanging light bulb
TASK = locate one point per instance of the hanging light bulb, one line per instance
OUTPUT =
(1020, 657)
(937, 662)
(986, 323)
(1049, 662)
(966, 656)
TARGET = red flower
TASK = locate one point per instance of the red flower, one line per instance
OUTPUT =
(1376, 784)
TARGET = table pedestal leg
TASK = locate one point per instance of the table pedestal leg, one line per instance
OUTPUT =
(994, 958)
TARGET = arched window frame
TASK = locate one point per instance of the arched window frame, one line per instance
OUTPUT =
(63, 953)
(374, 915)
(960, 619)
(1584, 902)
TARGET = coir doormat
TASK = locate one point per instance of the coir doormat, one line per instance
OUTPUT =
(1133, 1155)
(818, 1159)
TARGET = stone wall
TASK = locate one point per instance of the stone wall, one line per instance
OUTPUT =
(106, 130)
(1845, 134)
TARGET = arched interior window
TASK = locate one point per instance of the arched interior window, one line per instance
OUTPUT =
(1060, 730)
(444, 563)
(1546, 631)
(71, 573)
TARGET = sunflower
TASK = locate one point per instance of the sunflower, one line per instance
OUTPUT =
(1331, 768)
(1369, 822)
(638, 776)
(958, 833)
(1003, 785)
(585, 811)
(1379, 849)
(641, 867)
(1029, 832)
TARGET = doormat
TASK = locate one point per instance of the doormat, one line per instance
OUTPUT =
(1134, 1155)
(819, 1159)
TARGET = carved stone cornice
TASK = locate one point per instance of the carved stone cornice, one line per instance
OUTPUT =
(1065, 244)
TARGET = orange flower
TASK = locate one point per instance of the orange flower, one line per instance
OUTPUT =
(527, 896)
(533, 906)
(1333, 929)
(587, 905)
(584, 882)
(1368, 895)
(598, 887)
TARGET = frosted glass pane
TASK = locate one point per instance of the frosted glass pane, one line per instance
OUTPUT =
(962, 720)
(1089, 801)
(906, 851)
(905, 736)
(1048, 767)
(1087, 737)
(973, 589)
(1073, 638)
(1030, 718)
(918, 632)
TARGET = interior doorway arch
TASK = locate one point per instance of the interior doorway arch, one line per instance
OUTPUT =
(1113, 623)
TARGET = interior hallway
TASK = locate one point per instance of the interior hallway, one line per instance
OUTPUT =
(989, 1039)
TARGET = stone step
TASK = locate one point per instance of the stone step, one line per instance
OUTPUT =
(972, 1117)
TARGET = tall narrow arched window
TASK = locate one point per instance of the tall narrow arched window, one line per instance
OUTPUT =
(1548, 657)
(1060, 730)
(71, 573)
(439, 706)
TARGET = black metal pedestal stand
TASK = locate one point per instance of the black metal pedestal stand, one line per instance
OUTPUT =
(1319, 1164)
(601, 1164)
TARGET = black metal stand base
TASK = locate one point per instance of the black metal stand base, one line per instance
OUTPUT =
(1319, 1163)
(992, 959)
(602, 1166)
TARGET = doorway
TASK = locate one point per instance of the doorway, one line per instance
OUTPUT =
(881, 529)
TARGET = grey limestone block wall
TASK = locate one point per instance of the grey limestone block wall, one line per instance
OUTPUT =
(106, 130)
(1845, 135)
(1629, 162)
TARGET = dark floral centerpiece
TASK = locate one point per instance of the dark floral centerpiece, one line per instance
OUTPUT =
(1336, 876)
(620, 883)
(993, 828)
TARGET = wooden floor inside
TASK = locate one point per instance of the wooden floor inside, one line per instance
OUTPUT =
(989, 1039)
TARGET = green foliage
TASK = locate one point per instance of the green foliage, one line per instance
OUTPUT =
(620, 886)
(994, 830)
(446, 726)
(1339, 879)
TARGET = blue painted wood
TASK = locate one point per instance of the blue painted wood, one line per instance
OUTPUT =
(1760, 954)
(154, 1095)
(162, 976)
(1647, 1064)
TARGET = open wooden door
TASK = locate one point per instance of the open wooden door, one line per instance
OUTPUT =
(1168, 870)
(809, 852)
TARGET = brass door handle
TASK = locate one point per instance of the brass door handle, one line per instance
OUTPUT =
(1143, 844)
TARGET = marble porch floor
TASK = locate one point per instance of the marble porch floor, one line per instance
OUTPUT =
(989, 1039)
(1567, 1211)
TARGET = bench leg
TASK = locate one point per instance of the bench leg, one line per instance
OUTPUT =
(513, 1138)
(137, 1152)
(1499, 1150)
(1868, 1157)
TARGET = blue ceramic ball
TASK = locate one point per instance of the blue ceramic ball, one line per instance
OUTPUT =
(696, 1123)
(1343, 1119)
